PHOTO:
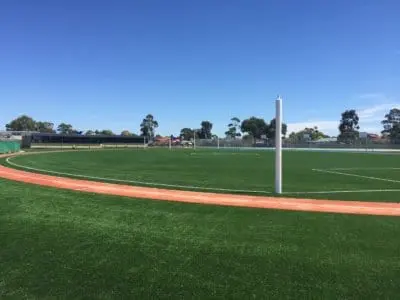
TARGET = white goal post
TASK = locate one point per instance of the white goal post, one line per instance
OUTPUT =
(278, 146)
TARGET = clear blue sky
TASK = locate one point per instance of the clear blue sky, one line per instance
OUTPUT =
(106, 64)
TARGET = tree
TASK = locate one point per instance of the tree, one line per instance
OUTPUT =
(315, 134)
(233, 129)
(45, 127)
(293, 137)
(255, 127)
(126, 133)
(64, 128)
(395, 133)
(25, 123)
(312, 132)
(22, 123)
(74, 131)
(205, 130)
(391, 124)
(271, 129)
(197, 133)
(90, 132)
(186, 134)
(349, 126)
(247, 137)
(106, 132)
(148, 126)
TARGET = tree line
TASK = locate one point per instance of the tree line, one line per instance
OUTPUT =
(349, 125)
(253, 127)
(26, 123)
(258, 128)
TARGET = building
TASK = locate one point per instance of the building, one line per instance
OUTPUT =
(53, 138)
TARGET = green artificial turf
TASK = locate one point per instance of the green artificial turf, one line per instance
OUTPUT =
(57, 244)
(232, 170)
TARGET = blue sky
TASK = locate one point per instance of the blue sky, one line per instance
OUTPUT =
(106, 64)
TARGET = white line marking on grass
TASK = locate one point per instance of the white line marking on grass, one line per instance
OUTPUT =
(189, 187)
(202, 188)
(356, 175)
(344, 191)
(364, 169)
(199, 154)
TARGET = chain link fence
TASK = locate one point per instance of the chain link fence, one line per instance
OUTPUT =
(265, 143)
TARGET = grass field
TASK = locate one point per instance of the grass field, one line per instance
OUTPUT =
(344, 176)
(68, 245)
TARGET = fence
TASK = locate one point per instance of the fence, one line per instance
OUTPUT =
(224, 143)
(44, 140)
(286, 143)
(9, 146)
(41, 140)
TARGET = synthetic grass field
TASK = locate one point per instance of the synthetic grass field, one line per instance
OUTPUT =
(342, 176)
(58, 244)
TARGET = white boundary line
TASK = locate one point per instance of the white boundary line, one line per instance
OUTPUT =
(344, 192)
(356, 175)
(363, 169)
(134, 181)
(216, 189)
